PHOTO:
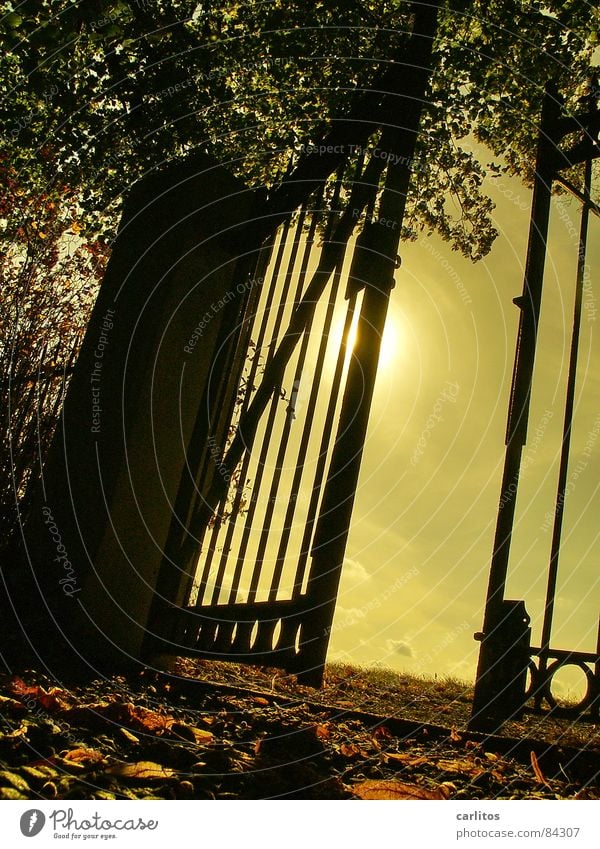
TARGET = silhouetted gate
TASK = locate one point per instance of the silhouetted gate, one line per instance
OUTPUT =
(273, 475)
(304, 357)
(249, 594)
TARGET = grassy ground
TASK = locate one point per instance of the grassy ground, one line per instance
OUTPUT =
(209, 730)
(440, 700)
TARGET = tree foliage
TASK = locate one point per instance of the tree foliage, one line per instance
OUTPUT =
(113, 89)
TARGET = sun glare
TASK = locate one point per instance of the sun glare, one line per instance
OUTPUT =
(389, 343)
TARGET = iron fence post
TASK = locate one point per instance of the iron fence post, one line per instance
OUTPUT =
(495, 669)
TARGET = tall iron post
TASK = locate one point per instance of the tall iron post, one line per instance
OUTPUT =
(504, 653)
(567, 427)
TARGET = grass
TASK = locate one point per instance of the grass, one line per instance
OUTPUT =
(443, 700)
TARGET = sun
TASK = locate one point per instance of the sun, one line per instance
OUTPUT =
(390, 342)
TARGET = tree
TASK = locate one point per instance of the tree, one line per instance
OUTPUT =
(95, 94)
(134, 84)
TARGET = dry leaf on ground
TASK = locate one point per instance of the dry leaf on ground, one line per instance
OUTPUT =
(465, 766)
(53, 699)
(84, 756)
(190, 732)
(141, 771)
(351, 750)
(126, 714)
(8, 705)
(323, 732)
(536, 768)
(404, 758)
(396, 790)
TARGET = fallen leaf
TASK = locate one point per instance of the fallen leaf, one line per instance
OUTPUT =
(50, 789)
(323, 732)
(455, 736)
(84, 756)
(73, 767)
(40, 770)
(382, 733)
(189, 732)
(135, 717)
(141, 771)
(258, 700)
(131, 738)
(138, 718)
(9, 793)
(11, 705)
(404, 758)
(351, 750)
(18, 732)
(396, 790)
(536, 768)
(465, 766)
(51, 700)
(17, 782)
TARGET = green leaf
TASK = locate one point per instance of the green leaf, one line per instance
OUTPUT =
(13, 20)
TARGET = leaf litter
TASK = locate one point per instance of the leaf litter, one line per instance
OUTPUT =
(146, 737)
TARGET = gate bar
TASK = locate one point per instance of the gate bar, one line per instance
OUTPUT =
(221, 505)
(276, 477)
(230, 468)
(359, 197)
(250, 383)
(505, 652)
(529, 303)
(320, 469)
(312, 403)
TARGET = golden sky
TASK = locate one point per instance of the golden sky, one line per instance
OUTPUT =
(414, 584)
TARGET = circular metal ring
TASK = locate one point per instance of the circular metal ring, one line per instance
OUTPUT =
(551, 672)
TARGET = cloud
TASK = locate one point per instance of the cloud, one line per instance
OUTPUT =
(354, 571)
(400, 647)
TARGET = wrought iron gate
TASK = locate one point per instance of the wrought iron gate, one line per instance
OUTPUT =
(512, 674)
(257, 593)
(250, 584)
(274, 467)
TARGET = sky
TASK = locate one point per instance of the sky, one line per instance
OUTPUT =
(414, 583)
